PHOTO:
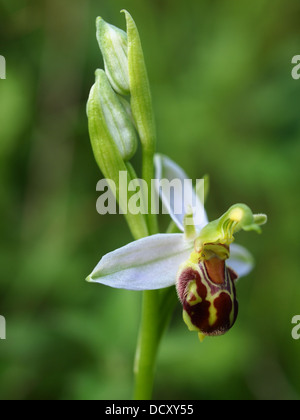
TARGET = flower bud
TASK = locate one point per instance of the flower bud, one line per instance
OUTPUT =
(113, 45)
(207, 292)
(116, 118)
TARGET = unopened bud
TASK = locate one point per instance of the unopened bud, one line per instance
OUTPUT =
(113, 45)
(116, 118)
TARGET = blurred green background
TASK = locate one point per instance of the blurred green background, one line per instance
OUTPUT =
(226, 105)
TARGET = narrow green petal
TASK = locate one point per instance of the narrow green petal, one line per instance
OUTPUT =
(260, 219)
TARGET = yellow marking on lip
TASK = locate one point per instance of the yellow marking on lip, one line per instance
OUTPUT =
(212, 313)
(192, 296)
(188, 321)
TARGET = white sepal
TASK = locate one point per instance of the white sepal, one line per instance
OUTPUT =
(147, 264)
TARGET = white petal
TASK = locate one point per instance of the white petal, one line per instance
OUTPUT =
(179, 203)
(241, 261)
(147, 264)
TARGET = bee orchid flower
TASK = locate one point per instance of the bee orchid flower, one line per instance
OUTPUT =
(202, 261)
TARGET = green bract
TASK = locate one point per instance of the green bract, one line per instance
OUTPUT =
(141, 101)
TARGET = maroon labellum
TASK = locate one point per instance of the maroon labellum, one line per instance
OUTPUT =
(207, 292)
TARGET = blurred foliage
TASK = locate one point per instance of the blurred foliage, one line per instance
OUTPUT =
(226, 105)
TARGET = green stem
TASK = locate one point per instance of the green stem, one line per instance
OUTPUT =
(158, 306)
(150, 329)
(149, 335)
(147, 346)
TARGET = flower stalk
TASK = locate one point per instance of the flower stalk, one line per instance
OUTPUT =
(147, 346)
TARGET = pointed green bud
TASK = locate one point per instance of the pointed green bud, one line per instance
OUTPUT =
(113, 45)
(221, 231)
(115, 116)
(107, 146)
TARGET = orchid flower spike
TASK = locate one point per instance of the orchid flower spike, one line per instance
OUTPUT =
(202, 261)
